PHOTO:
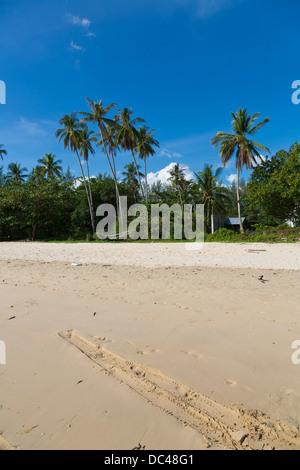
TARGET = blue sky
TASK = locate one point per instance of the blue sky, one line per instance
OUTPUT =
(183, 65)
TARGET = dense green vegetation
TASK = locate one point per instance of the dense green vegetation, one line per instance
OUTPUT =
(49, 204)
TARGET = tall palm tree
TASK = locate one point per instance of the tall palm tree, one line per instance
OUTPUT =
(70, 134)
(37, 175)
(177, 179)
(16, 173)
(247, 150)
(126, 136)
(98, 116)
(214, 196)
(109, 141)
(50, 167)
(144, 146)
(86, 139)
(131, 178)
(2, 151)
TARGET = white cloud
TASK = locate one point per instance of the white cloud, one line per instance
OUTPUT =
(85, 23)
(169, 154)
(77, 21)
(232, 178)
(79, 181)
(262, 158)
(164, 174)
(76, 47)
(90, 34)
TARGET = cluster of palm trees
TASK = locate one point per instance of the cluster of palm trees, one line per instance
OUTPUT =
(48, 167)
(206, 188)
(118, 133)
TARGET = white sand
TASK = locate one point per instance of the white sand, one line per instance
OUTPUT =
(169, 357)
(237, 255)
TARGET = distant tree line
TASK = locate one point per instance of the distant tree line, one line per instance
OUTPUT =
(48, 203)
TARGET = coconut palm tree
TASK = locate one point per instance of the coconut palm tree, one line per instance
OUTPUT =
(2, 151)
(177, 178)
(131, 178)
(70, 134)
(144, 146)
(16, 173)
(247, 150)
(126, 136)
(98, 116)
(111, 148)
(86, 139)
(37, 175)
(213, 194)
(50, 167)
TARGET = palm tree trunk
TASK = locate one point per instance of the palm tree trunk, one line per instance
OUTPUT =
(208, 217)
(239, 201)
(86, 189)
(116, 184)
(180, 197)
(91, 198)
(34, 232)
(146, 180)
(113, 170)
(139, 176)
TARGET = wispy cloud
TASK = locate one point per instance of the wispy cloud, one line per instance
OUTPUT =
(31, 128)
(169, 154)
(209, 8)
(76, 47)
(77, 21)
(199, 9)
(90, 34)
(26, 129)
(84, 23)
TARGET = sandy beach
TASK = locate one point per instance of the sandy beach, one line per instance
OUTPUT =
(149, 345)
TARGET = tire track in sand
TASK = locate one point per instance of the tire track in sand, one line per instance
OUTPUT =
(222, 427)
(4, 445)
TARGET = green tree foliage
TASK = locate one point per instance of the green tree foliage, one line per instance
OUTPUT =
(178, 181)
(16, 173)
(103, 191)
(131, 180)
(2, 177)
(49, 203)
(50, 167)
(274, 185)
(72, 137)
(214, 196)
(36, 209)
